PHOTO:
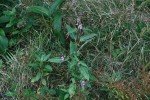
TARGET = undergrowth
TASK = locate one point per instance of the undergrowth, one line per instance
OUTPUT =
(74, 49)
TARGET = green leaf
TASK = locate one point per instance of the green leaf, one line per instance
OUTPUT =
(86, 29)
(56, 4)
(11, 22)
(86, 37)
(36, 78)
(45, 73)
(57, 24)
(84, 72)
(83, 64)
(93, 78)
(3, 44)
(33, 79)
(61, 94)
(72, 89)
(66, 97)
(4, 19)
(44, 82)
(34, 65)
(71, 32)
(48, 68)
(73, 48)
(75, 75)
(44, 57)
(10, 12)
(55, 60)
(2, 33)
(38, 10)
(72, 64)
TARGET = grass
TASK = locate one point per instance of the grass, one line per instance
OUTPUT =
(118, 56)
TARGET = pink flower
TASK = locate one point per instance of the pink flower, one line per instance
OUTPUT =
(83, 83)
(80, 27)
(78, 20)
(62, 58)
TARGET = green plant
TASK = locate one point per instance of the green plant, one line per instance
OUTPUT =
(77, 68)
(42, 68)
(52, 12)
(13, 25)
(3, 41)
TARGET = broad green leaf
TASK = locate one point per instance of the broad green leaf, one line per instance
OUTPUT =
(55, 60)
(11, 22)
(38, 57)
(44, 82)
(2, 33)
(44, 57)
(73, 48)
(72, 89)
(45, 73)
(36, 78)
(57, 24)
(71, 32)
(34, 65)
(54, 8)
(38, 10)
(4, 19)
(10, 12)
(33, 79)
(66, 97)
(3, 44)
(74, 58)
(56, 4)
(84, 72)
(48, 68)
(86, 37)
